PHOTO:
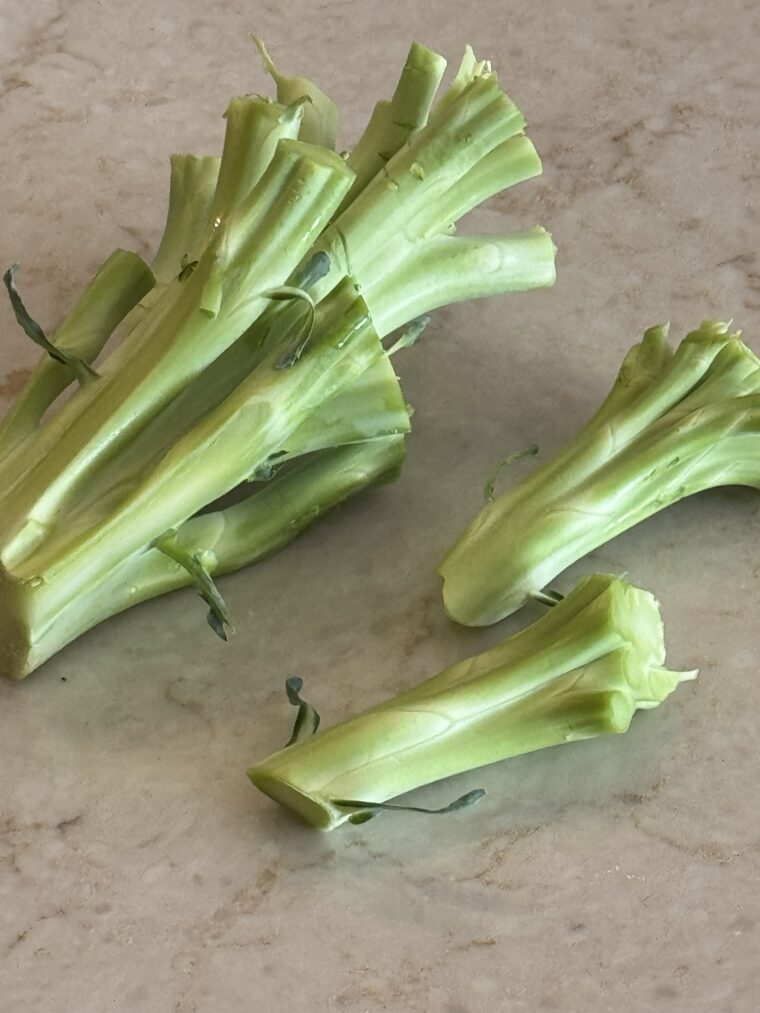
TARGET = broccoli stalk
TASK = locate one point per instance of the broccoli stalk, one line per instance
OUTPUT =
(115, 290)
(261, 340)
(674, 423)
(582, 670)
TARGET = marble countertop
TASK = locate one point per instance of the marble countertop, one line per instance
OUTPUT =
(139, 870)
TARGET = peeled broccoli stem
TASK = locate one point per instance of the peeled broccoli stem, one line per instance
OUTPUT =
(674, 424)
(226, 448)
(582, 670)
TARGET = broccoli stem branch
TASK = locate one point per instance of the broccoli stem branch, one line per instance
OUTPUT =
(392, 123)
(35, 623)
(192, 184)
(117, 287)
(673, 425)
(582, 670)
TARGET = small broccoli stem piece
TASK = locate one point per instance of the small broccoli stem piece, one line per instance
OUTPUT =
(392, 123)
(581, 671)
(320, 120)
(34, 626)
(192, 185)
(117, 287)
(261, 244)
(673, 425)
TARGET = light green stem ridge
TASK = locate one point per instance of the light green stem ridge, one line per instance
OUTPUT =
(581, 671)
(226, 539)
(674, 424)
(470, 69)
(255, 127)
(205, 192)
(370, 406)
(192, 184)
(260, 245)
(510, 163)
(392, 123)
(118, 285)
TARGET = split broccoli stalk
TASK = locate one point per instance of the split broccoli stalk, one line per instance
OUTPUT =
(255, 339)
(674, 423)
(582, 670)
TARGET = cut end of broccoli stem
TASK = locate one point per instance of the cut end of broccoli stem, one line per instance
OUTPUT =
(581, 671)
(310, 808)
(674, 423)
(15, 632)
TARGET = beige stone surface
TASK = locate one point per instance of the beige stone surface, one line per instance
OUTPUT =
(139, 871)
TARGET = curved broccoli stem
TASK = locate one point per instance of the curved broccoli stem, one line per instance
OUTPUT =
(674, 424)
(582, 670)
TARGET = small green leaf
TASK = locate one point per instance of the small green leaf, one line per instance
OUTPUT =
(82, 370)
(362, 817)
(548, 597)
(218, 614)
(187, 267)
(315, 269)
(307, 719)
(411, 335)
(269, 468)
(488, 491)
(304, 327)
(373, 808)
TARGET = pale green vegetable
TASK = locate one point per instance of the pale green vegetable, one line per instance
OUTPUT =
(582, 670)
(674, 423)
(116, 288)
(256, 340)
